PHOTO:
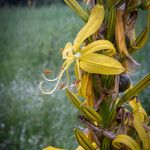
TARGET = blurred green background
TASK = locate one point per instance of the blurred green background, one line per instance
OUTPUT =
(30, 41)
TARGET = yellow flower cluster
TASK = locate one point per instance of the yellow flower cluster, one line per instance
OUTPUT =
(126, 126)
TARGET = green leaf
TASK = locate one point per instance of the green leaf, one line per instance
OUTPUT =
(111, 24)
(141, 85)
(91, 114)
(83, 140)
(74, 100)
(139, 42)
(77, 9)
(104, 111)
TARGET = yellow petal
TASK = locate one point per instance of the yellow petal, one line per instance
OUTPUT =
(100, 64)
(120, 33)
(137, 122)
(80, 148)
(67, 51)
(93, 24)
(126, 140)
(136, 105)
(52, 148)
(99, 46)
(86, 89)
(84, 83)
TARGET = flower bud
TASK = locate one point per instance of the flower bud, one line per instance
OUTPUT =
(124, 82)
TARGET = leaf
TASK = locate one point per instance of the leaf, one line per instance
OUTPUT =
(129, 24)
(145, 5)
(139, 42)
(137, 122)
(74, 100)
(110, 4)
(100, 45)
(93, 24)
(141, 85)
(129, 63)
(120, 33)
(105, 112)
(91, 114)
(83, 140)
(111, 23)
(106, 144)
(100, 64)
(126, 140)
(77, 9)
(52, 148)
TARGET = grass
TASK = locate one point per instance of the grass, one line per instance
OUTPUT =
(30, 41)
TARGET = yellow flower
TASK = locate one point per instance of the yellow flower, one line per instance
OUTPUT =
(140, 116)
(85, 57)
(126, 140)
(52, 148)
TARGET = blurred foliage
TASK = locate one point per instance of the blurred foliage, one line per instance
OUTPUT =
(46, 2)
(29, 42)
(28, 2)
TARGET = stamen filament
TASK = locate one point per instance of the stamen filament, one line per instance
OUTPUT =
(67, 65)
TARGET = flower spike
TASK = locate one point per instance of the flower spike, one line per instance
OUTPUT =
(86, 57)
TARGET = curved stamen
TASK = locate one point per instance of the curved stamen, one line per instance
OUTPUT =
(51, 80)
(57, 83)
(79, 73)
(68, 80)
(66, 66)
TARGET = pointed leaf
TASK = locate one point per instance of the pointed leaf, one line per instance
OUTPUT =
(91, 114)
(135, 90)
(83, 140)
(139, 42)
(74, 100)
(77, 9)
(111, 23)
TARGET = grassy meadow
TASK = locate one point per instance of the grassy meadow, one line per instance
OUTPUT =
(30, 41)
